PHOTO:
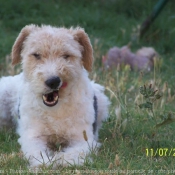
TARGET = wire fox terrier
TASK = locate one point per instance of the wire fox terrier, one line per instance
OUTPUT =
(53, 100)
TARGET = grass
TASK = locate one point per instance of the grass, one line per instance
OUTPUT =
(132, 133)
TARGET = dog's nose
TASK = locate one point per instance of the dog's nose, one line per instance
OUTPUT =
(53, 82)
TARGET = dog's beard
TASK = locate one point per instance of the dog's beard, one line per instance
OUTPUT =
(51, 99)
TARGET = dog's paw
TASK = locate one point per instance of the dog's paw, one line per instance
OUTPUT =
(69, 159)
(40, 162)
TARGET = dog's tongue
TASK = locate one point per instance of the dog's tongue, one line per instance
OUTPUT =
(64, 85)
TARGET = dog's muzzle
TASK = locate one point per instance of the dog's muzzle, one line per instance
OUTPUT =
(51, 99)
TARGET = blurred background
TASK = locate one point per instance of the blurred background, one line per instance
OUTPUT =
(108, 22)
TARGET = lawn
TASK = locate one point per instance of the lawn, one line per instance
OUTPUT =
(134, 140)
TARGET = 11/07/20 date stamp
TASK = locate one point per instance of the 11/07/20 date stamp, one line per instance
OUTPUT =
(166, 152)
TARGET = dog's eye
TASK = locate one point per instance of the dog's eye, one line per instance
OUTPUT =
(66, 56)
(37, 55)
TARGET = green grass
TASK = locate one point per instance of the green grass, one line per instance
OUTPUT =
(108, 23)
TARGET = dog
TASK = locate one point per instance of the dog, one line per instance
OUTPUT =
(142, 60)
(52, 101)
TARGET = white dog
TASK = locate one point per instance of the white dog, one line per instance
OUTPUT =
(53, 99)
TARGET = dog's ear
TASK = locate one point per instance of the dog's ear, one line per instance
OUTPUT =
(18, 45)
(87, 53)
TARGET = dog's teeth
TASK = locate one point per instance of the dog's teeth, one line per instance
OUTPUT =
(51, 99)
(56, 98)
(44, 98)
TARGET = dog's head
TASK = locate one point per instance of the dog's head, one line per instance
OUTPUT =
(52, 58)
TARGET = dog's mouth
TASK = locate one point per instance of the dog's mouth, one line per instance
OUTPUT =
(51, 99)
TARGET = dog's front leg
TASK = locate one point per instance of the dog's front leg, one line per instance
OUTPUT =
(35, 150)
(76, 153)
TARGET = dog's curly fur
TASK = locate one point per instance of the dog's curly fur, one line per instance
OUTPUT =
(47, 52)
